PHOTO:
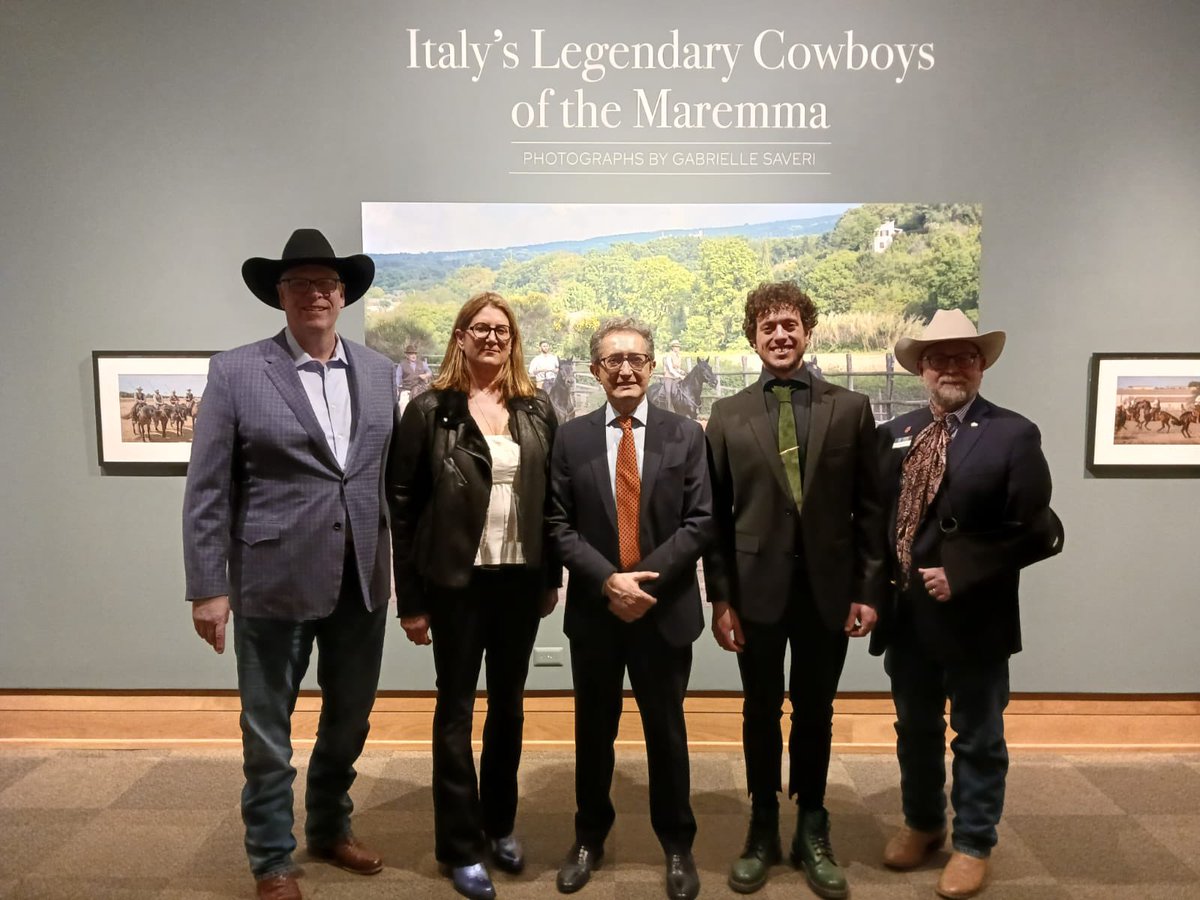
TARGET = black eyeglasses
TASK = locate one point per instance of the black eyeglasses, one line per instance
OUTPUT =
(637, 361)
(942, 360)
(302, 286)
(481, 330)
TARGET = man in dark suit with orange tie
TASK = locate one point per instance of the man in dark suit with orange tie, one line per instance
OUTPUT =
(631, 513)
(798, 560)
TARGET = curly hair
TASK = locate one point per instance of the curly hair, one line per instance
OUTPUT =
(453, 374)
(772, 296)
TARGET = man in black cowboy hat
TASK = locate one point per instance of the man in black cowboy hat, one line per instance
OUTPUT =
(283, 525)
(968, 485)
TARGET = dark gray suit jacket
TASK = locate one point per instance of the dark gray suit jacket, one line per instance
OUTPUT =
(675, 523)
(268, 511)
(763, 545)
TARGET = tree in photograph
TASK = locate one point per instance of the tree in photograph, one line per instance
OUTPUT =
(611, 278)
(729, 269)
(389, 333)
(833, 283)
(950, 270)
(663, 290)
(855, 230)
(534, 315)
(471, 280)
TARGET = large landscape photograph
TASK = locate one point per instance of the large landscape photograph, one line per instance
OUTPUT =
(877, 272)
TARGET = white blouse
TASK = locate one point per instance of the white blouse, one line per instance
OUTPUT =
(500, 544)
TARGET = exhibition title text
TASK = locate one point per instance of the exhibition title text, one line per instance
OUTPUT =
(771, 50)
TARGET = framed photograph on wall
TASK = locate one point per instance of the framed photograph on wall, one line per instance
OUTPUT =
(1144, 415)
(146, 408)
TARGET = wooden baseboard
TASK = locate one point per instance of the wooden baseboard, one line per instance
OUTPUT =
(862, 722)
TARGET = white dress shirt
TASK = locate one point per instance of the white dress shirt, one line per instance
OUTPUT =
(612, 438)
(328, 388)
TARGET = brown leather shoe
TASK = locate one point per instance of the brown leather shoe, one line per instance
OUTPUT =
(350, 855)
(281, 887)
(963, 876)
(909, 847)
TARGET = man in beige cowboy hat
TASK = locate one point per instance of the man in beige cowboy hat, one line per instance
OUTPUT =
(966, 481)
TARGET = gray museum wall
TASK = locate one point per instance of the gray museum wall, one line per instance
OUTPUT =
(148, 148)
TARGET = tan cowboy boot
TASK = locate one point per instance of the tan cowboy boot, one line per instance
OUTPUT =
(909, 847)
(963, 876)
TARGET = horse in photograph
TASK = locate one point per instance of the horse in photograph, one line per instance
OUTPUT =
(162, 418)
(142, 416)
(562, 391)
(1187, 419)
(683, 396)
(179, 413)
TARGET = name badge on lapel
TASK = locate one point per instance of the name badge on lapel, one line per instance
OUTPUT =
(902, 443)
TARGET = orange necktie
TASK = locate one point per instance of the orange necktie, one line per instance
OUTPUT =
(629, 493)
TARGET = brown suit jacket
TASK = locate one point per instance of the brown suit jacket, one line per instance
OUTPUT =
(834, 544)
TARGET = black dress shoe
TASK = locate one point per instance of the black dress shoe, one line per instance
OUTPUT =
(508, 855)
(577, 867)
(472, 881)
(683, 881)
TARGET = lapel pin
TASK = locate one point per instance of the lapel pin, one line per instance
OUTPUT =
(974, 424)
(908, 429)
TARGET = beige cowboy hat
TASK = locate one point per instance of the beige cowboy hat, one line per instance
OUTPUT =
(948, 325)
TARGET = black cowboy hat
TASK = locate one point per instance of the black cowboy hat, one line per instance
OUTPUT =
(307, 246)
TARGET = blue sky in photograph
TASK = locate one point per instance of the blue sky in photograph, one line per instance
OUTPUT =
(126, 384)
(443, 227)
(1128, 381)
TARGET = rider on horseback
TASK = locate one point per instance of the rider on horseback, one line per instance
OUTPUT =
(543, 368)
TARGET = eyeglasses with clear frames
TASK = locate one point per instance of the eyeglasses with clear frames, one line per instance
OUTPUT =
(941, 361)
(481, 330)
(637, 361)
(302, 286)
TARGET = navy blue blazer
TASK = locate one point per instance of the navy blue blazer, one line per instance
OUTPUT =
(675, 523)
(997, 483)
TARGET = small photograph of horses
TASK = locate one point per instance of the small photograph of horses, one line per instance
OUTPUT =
(159, 408)
(876, 271)
(1157, 409)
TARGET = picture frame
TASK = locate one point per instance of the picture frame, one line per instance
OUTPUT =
(1144, 415)
(158, 439)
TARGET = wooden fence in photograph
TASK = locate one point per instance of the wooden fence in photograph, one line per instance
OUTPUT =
(892, 390)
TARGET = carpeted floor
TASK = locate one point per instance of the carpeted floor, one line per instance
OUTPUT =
(141, 824)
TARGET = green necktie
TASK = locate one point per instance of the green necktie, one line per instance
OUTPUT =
(789, 448)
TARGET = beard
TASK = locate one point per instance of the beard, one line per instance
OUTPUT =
(949, 397)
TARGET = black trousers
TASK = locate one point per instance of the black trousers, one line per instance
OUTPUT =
(818, 655)
(658, 674)
(494, 617)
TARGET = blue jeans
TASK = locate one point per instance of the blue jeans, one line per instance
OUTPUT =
(978, 694)
(272, 657)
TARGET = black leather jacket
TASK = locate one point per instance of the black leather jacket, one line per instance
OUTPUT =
(439, 480)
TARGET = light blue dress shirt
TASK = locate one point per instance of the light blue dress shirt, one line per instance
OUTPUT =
(612, 437)
(328, 388)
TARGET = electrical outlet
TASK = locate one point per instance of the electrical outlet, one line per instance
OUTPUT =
(547, 656)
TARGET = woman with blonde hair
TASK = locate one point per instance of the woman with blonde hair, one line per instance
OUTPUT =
(474, 573)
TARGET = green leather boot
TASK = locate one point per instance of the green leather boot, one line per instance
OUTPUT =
(812, 853)
(749, 872)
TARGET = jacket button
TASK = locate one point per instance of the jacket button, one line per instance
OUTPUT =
(337, 526)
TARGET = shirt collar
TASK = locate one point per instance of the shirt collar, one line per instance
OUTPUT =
(639, 414)
(961, 412)
(802, 378)
(301, 356)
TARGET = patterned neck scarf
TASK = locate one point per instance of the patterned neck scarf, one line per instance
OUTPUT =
(921, 476)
